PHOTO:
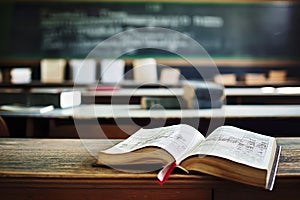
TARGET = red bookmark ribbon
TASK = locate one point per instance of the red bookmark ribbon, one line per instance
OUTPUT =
(165, 172)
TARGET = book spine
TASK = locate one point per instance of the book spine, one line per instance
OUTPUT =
(160, 103)
(203, 104)
(201, 90)
(44, 99)
(58, 99)
(7, 98)
(209, 93)
(29, 99)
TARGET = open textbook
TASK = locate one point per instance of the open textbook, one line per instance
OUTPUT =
(228, 152)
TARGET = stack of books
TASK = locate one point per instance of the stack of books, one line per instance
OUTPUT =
(196, 95)
(200, 94)
(40, 97)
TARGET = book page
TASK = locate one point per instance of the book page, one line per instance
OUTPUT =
(176, 139)
(238, 145)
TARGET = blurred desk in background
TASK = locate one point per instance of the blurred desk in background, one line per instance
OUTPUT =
(234, 96)
(263, 95)
(119, 121)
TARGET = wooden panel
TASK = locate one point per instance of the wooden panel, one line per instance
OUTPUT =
(282, 190)
(108, 193)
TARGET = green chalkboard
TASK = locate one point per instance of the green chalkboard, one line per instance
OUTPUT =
(72, 30)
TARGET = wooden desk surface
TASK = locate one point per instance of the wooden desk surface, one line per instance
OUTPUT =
(73, 158)
(62, 169)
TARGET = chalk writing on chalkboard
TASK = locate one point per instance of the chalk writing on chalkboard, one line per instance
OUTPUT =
(224, 30)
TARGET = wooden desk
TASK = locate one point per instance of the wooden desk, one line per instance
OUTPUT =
(263, 95)
(62, 169)
(234, 96)
(128, 95)
(86, 111)
(275, 120)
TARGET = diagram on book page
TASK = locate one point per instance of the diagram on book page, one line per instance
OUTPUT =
(177, 140)
(238, 145)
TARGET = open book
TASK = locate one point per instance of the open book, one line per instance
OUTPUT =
(228, 152)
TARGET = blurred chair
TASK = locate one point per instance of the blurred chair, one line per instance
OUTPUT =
(225, 79)
(4, 132)
(145, 70)
(20, 75)
(53, 70)
(112, 71)
(169, 76)
(83, 71)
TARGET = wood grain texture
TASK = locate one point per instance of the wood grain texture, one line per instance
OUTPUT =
(62, 169)
(73, 158)
(289, 164)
